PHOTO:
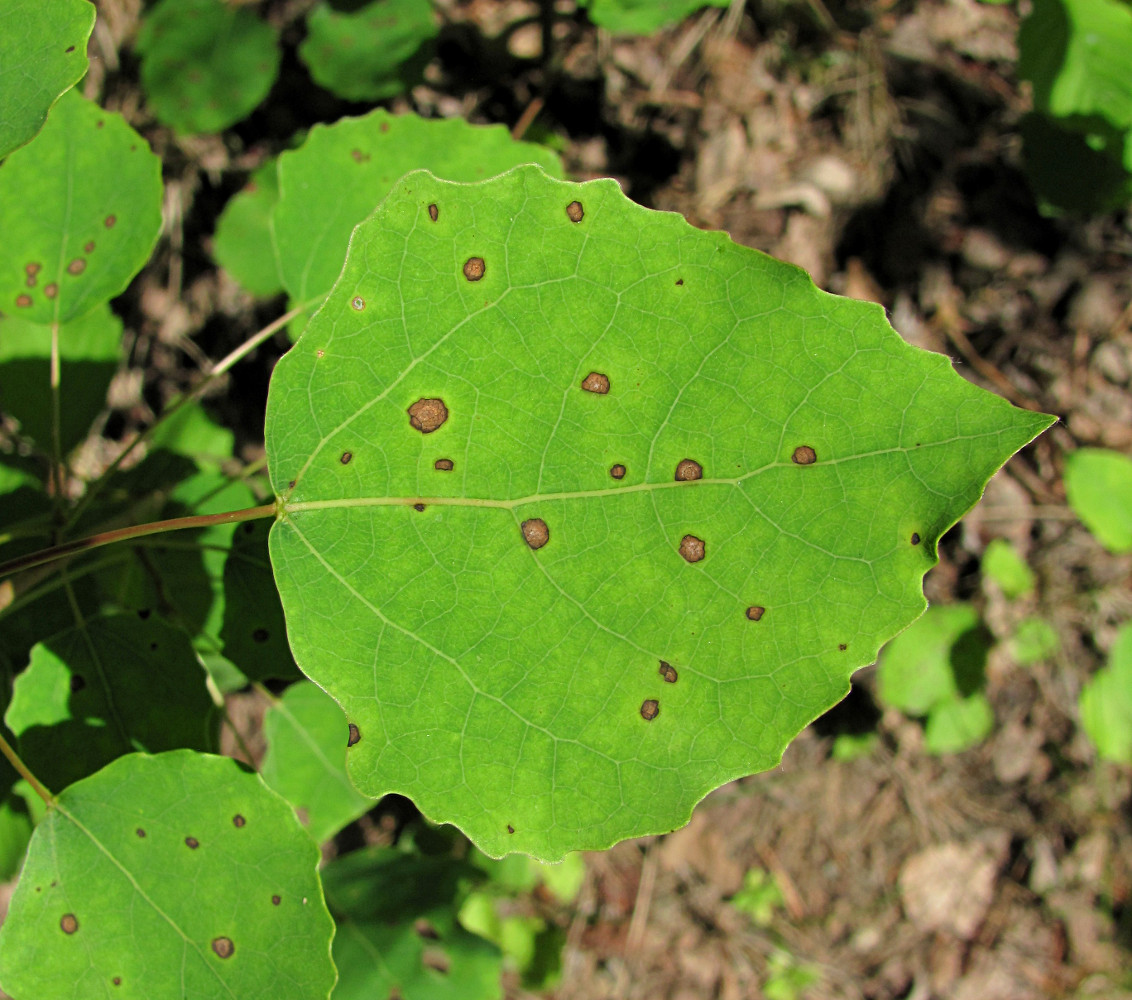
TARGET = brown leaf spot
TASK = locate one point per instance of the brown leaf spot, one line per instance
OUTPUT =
(359, 156)
(383, 127)
(535, 532)
(433, 212)
(358, 303)
(69, 923)
(679, 281)
(33, 269)
(238, 821)
(223, 947)
(426, 415)
(574, 211)
(474, 268)
(109, 221)
(842, 646)
(510, 828)
(755, 612)
(435, 959)
(692, 548)
(88, 246)
(804, 455)
(302, 814)
(78, 682)
(140, 832)
(355, 735)
(418, 506)
(650, 709)
(68, 50)
(915, 538)
(617, 471)
(422, 928)
(23, 301)
(291, 485)
(192, 843)
(51, 290)
(596, 382)
(443, 465)
(276, 900)
(688, 470)
(668, 672)
(320, 353)
(117, 980)
(346, 456)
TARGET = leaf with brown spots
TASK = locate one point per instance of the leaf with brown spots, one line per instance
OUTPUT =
(42, 54)
(76, 174)
(153, 915)
(501, 676)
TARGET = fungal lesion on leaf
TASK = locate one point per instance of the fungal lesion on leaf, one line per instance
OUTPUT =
(650, 709)
(668, 672)
(354, 737)
(535, 532)
(474, 268)
(804, 455)
(688, 470)
(427, 414)
(596, 382)
(575, 212)
(693, 549)
(443, 465)
(755, 612)
(617, 471)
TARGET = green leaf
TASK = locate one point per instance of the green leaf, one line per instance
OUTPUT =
(244, 230)
(548, 656)
(253, 635)
(397, 930)
(180, 875)
(15, 832)
(1098, 485)
(1106, 702)
(1035, 639)
(371, 53)
(940, 658)
(104, 689)
(642, 17)
(1002, 564)
(958, 725)
(89, 349)
(1075, 53)
(306, 760)
(205, 64)
(80, 210)
(342, 171)
(42, 54)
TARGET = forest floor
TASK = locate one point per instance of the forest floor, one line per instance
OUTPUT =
(874, 143)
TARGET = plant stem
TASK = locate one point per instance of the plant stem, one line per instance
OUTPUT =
(47, 555)
(218, 369)
(22, 770)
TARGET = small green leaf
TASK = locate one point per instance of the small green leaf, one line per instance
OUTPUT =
(759, 898)
(1106, 702)
(585, 512)
(180, 875)
(254, 635)
(243, 234)
(104, 689)
(1002, 564)
(42, 54)
(642, 17)
(80, 210)
(957, 725)
(1075, 53)
(1098, 484)
(371, 53)
(306, 760)
(342, 171)
(15, 832)
(397, 929)
(89, 348)
(1035, 639)
(205, 64)
(939, 658)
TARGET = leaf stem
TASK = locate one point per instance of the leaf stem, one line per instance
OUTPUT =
(218, 369)
(22, 770)
(47, 555)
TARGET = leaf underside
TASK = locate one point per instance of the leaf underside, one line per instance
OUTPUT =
(595, 687)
